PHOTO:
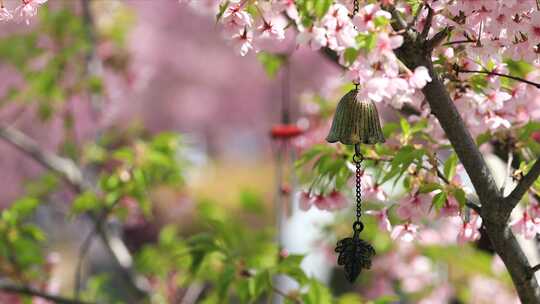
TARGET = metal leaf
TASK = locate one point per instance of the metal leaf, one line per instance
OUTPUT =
(355, 255)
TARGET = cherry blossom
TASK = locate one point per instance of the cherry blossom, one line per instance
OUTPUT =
(406, 232)
(243, 42)
(419, 78)
(526, 226)
(365, 19)
(236, 19)
(5, 14)
(28, 9)
(414, 207)
(469, 231)
(305, 201)
(450, 208)
(382, 219)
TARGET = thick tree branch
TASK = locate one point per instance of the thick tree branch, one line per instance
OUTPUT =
(28, 291)
(522, 187)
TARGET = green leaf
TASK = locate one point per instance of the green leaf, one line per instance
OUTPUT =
(222, 8)
(251, 201)
(450, 166)
(321, 7)
(430, 187)
(439, 199)
(460, 196)
(271, 62)
(87, 201)
(405, 127)
(350, 56)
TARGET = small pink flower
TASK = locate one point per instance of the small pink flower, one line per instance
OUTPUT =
(243, 42)
(271, 30)
(382, 219)
(337, 200)
(470, 231)
(419, 78)
(450, 208)
(305, 201)
(406, 232)
(320, 202)
(365, 19)
(5, 14)
(28, 9)
(236, 19)
(414, 207)
(526, 226)
(375, 193)
(385, 44)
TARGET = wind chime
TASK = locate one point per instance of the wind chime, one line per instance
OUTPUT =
(356, 122)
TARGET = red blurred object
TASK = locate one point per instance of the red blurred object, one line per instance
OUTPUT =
(285, 189)
(536, 136)
(285, 131)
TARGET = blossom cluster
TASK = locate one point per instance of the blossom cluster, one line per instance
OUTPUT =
(26, 10)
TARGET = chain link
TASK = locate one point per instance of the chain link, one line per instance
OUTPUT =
(356, 7)
(357, 159)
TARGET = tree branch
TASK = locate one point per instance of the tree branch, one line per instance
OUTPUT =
(522, 187)
(493, 73)
(74, 176)
(28, 291)
(66, 168)
(427, 24)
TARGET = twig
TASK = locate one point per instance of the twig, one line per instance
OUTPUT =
(28, 291)
(286, 296)
(192, 293)
(522, 187)
(459, 42)
(537, 85)
(418, 12)
(65, 167)
(427, 24)
(85, 246)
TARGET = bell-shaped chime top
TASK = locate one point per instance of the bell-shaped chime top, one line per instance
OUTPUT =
(356, 121)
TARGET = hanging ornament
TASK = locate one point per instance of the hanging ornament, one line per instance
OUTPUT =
(356, 122)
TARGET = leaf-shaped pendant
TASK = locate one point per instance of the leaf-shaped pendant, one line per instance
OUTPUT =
(355, 254)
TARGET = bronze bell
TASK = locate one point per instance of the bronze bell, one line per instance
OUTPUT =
(356, 121)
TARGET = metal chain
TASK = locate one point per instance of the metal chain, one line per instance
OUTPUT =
(358, 158)
(356, 7)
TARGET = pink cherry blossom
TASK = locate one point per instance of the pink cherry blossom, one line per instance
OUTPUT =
(470, 230)
(382, 219)
(414, 207)
(305, 201)
(269, 29)
(5, 14)
(386, 44)
(406, 232)
(526, 225)
(236, 19)
(365, 19)
(336, 200)
(420, 77)
(28, 9)
(376, 193)
(450, 207)
(243, 42)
